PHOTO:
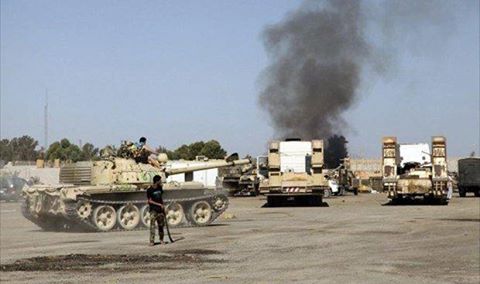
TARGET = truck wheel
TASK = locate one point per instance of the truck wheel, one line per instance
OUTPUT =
(462, 192)
(327, 193)
(355, 191)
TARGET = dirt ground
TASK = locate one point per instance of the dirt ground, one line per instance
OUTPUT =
(355, 240)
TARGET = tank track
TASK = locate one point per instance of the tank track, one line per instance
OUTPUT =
(72, 221)
(52, 224)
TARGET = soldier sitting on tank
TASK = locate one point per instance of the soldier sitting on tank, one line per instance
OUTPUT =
(157, 210)
(142, 153)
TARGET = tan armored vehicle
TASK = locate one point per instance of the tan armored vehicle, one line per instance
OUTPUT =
(295, 172)
(241, 181)
(110, 194)
(411, 170)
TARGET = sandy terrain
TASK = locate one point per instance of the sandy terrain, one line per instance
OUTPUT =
(354, 240)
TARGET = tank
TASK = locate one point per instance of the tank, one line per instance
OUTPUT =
(110, 195)
(411, 170)
(469, 176)
(241, 181)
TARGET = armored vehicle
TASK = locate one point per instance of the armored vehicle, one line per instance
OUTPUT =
(110, 194)
(295, 172)
(469, 176)
(409, 170)
(242, 181)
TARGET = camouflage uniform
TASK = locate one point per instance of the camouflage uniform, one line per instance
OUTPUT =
(157, 215)
(159, 218)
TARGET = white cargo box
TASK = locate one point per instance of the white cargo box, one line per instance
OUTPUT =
(293, 155)
(419, 153)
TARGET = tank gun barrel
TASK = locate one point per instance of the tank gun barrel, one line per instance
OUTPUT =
(207, 166)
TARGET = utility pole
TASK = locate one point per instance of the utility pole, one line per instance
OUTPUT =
(46, 120)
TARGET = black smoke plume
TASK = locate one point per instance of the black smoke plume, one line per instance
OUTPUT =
(319, 52)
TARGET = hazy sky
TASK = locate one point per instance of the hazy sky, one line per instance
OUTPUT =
(182, 71)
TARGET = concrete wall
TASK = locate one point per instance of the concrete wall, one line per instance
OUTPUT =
(374, 166)
(45, 175)
(371, 166)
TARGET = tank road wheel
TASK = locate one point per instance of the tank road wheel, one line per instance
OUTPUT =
(104, 217)
(175, 214)
(84, 209)
(128, 216)
(201, 213)
(145, 215)
(220, 202)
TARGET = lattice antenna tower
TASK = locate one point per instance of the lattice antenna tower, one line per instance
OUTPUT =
(45, 121)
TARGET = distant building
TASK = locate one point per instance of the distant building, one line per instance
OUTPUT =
(206, 177)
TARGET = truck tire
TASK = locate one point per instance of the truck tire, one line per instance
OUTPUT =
(462, 192)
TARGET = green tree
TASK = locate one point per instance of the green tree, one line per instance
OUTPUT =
(335, 151)
(64, 150)
(89, 152)
(6, 152)
(19, 149)
(195, 149)
(182, 152)
(213, 150)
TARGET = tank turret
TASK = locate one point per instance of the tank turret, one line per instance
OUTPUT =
(127, 171)
(110, 194)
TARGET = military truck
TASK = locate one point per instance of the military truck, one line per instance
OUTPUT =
(295, 172)
(469, 176)
(110, 195)
(410, 170)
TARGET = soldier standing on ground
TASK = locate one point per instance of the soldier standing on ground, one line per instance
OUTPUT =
(157, 212)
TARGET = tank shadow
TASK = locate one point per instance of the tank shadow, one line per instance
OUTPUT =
(467, 196)
(415, 202)
(286, 204)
